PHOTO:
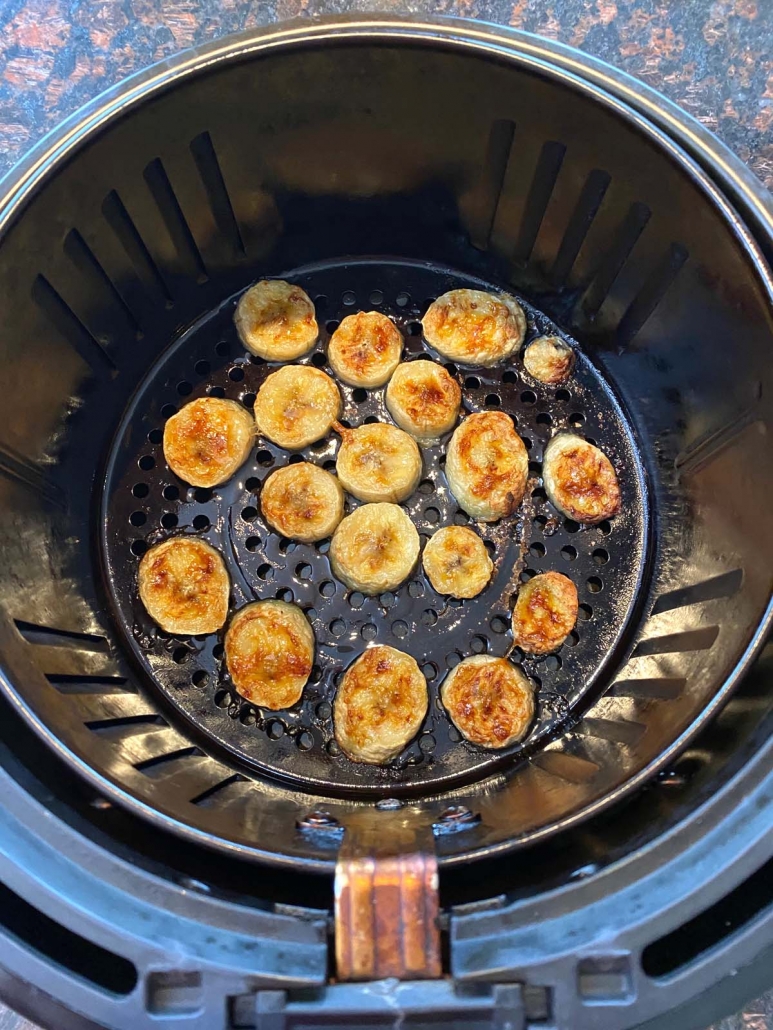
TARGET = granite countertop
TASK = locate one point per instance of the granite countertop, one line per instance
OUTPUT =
(715, 59)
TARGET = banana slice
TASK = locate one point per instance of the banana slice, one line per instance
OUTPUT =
(184, 585)
(487, 466)
(269, 651)
(457, 562)
(276, 320)
(545, 613)
(474, 327)
(548, 359)
(380, 705)
(579, 479)
(208, 440)
(302, 502)
(378, 462)
(375, 548)
(365, 349)
(489, 700)
(423, 399)
(297, 405)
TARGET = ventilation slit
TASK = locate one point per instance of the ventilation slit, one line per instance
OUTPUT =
(500, 142)
(619, 731)
(651, 293)
(120, 222)
(690, 640)
(174, 219)
(582, 217)
(21, 470)
(85, 261)
(125, 722)
(210, 792)
(154, 766)
(77, 684)
(662, 689)
(541, 189)
(71, 327)
(709, 590)
(46, 635)
(205, 157)
(631, 229)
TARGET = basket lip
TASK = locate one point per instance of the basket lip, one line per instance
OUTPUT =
(700, 154)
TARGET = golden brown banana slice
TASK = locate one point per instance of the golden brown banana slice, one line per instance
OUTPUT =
(378, 462)
(375, 548)
(269, 651)
(474, 327)
(380, 705)
(487, 466)
(297, 405)
(579, 479)
(423, 399)
(365, 349)
(548, 359)
(208, 440)
(302, 502)
(457, 562)
(489, 700)
(545, 613)
(184, 585)
(276, 320)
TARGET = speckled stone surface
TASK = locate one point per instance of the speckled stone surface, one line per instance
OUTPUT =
(714, 59)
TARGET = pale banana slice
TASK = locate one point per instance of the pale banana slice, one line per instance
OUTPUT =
(548, 359)
(375, 548)
(297, 405)
(423, 399)
(380, 705)
(302, 502)
(184, 585)
(276, 320)
(580, 479)
(487, 466)
(489, 700)
(365, 349)
(269, 651)
(473, 327)
(378, 462)
(457, 562)
(208, 440)
(545, 613)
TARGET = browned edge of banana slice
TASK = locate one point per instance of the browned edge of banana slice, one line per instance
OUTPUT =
(184, 586)
(579, 479)
(545, 613)
(489, 700)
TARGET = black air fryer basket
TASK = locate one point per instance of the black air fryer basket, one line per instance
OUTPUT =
(167, 850)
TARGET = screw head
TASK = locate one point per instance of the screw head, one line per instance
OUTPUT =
(388, 805)
(457, 814)
(318, 820)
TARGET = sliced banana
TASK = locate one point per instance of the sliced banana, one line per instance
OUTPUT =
(365, 349)
(380, 705)
(548, 359)
(297, 405)
(474, 327)
(208, 440)
(579, 479)
(269, 651)
(457, 562)
(302, 502)
(378, 462)
(545, 613)
(489, 700)
(276, 320)
(487, 466)
(375, 548)
(423, 399)
(184, 585)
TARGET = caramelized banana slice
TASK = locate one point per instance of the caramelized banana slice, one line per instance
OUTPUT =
(378, 462)
(276, 320)
(208, 440)
(269, 651)
(365, 349)
(380, 705)
(184, 586)
(548, 359)
(297, 405)
(489, 700)
(375, 548)
(457, 562)
(579, 479)
(302, 502)
(545, 613)
(487, 466)
(474, 327)
(423, 399)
